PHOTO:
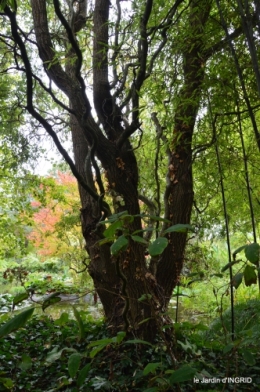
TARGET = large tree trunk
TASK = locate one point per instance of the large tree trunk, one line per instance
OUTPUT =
(178, 196)
(121, 281)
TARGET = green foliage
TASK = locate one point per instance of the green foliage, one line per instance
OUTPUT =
(51, 300)
(119, 223)
(120, 244)
(16, 322)
(20, 298)
(80, 324)
(185, 373)
(157, 246)
(250, 272)
(50, 352)
(41, 286)
(247, 319)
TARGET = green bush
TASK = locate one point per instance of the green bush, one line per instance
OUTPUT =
(247, 320)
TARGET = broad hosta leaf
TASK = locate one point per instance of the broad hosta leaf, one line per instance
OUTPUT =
(151, 367)
(16, 322)
(20, 298)
(73, 364)
(252, 252)
(250, 275)
(184, 373)
(158, 246)
(118, 245)
(237, 280)
(180, 228)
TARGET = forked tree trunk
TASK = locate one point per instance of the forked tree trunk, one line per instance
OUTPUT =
(122, 281)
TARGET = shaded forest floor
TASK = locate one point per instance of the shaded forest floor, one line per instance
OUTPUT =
(50, 355)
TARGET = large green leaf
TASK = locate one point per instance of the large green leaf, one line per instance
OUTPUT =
(228, 265)
(250, 275)
(19, 298)
(83, 374)
(252, 252)
(239, 250)
(158, 246)
(120, 336)
(100, 342)
(184, 373)
(26, 362)
(157, 218)
(180, 228)
(248, 357)
(7, 382)
(139, 239)
(118, 245)
(237, 280)
(51, 300)
(73, 364)
(54, 354)
(138, 341)
(111, 230)
(96, 350)
(16, 322)
(62, 320)
(80, 323)
(151, 367)
(114, 217)
(127, 219)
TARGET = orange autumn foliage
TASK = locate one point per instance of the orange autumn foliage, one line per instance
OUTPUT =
(62, 201)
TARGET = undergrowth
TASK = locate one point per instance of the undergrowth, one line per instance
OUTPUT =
(50, 356)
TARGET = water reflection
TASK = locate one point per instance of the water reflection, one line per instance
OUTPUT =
(81, 302)
(85, 302)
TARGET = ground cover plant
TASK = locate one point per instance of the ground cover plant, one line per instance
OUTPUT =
(161, 108)
(51, 355)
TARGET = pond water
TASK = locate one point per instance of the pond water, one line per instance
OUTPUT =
(81, 302)
(86, 303)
